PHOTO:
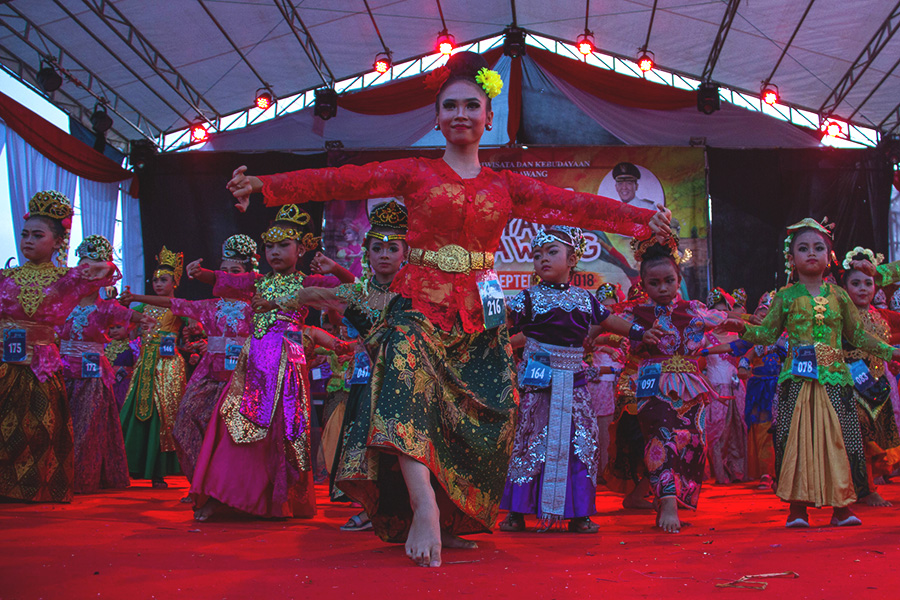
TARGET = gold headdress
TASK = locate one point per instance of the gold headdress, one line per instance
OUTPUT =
(170, 262)
(241, 248)
(740, 296)
(639, 247)
(298, 218)
(53, 205)
(609, 290)
(717, 295)
(388, 215)
(824, 227)
(576, 234)
(95, 247)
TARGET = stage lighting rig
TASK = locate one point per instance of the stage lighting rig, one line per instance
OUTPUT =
(382, 62)
(325, 105)
(445, 43)
(708, 98)
(47, 77)
(514, 42)
(770, 94)
(264, 99)
(199, 131)
(585, 42)
(100, 121)
(645, 61)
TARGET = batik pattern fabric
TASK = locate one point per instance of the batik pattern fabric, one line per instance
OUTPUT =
(227, 323)
(122, 355)
(156, 389)
(673, 421)
(556, 451)
(726, 432)
(99, 445)
(819, 455)
(36, 445)
(874, 405)
(255, 455)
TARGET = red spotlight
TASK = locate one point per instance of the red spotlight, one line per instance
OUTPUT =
(445, 43)
(199, 132)
(832, 128)
(585, 42)
(770, 94)
(645, 62)
(382, 63)
(264, 99)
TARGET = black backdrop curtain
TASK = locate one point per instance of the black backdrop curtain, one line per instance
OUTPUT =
(184, 205)
(756, 194)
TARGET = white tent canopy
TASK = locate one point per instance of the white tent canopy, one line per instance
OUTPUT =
(161, 64)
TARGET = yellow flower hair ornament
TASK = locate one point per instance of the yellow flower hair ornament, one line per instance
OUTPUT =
(490, 81)
(860, 253)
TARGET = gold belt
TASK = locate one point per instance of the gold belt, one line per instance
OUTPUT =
(678, 364)
(452, 259)
(826, 355)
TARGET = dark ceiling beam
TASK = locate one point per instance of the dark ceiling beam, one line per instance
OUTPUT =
(719, 42)
(306, 41)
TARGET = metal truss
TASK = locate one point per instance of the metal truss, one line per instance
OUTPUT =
(74, 71)
(224, 33)
(716, 50)
(113, 18)
(306, 41)
(882, 36)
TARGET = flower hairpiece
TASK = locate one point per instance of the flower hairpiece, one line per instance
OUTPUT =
(824, 228)
(436, 78)
(875, 259)
(490, 81)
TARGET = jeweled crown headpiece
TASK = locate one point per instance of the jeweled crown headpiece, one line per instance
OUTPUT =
(95, 247)
(824, 228)
(53, 205)
(576, 240)
(295, 218)
(640, 246)
(241, 248)
(609, 290)
(388, 215)
(740, 296)
(717, 295)
(170, 262)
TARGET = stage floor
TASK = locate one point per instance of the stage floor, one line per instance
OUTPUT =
(142, 543)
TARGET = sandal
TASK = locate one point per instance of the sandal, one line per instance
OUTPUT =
(513, 523)
(583, 525)
(357, 523)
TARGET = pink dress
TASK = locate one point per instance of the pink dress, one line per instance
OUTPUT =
(37, 426)
(228, 323)
(99, 448)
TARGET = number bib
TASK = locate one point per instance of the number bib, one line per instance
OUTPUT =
(321, 372)
(232, 352)
(14, 346)
(362, 369)
(90, 365)
(648, 381)
(167, 346)
(862, 377)
(537, 371)
(492, 301)
(804, 363)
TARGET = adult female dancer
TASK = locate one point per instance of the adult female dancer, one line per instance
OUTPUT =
(443, 391)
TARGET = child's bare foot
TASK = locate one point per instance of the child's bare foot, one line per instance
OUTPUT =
(630, 501)
(204, 512)
(423, 544)
(844, 517)
(797, 517)
(583, 525)
(159, 484)
(667, 515)
(875, 499)
(514, 522)
(448, 540)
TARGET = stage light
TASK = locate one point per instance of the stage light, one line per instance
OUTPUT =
(382, 62)
(514, 42)
(833, 129)
(770, 94)
(100, 121)
(264, 99)
(445, 43)
(199, 131)
(891, 146)
(645, 61)
(585, 42)
(325, 105)
(47, 78)
(708, 98)
(142, 152)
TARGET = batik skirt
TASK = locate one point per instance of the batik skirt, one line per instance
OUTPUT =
(201, 396)
(99, 447)
(878, 426)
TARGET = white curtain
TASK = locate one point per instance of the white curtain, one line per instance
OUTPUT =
(132, 244)
(31, 172)
(98, 207)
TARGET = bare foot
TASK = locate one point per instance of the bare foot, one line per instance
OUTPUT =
(667, 517)
(630, 501)
(875, 499)
(448, 540)
(423, 544)
(207, 510)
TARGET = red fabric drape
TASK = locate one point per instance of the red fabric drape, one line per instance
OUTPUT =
(612, 86)
(399, 96)
(68, 152)
(515, 99)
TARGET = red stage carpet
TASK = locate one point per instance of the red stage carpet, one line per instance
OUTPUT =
(141, 543)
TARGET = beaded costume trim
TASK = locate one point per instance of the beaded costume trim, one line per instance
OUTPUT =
(32, 279)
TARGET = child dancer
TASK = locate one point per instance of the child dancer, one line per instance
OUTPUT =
(36, 449)
(820, 460)
(157, 385)
(671, 404)
(553, 469)
(99, 447)
(873, 402)
(227, 321)
(255, 455)
(122, 352)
